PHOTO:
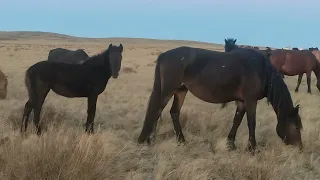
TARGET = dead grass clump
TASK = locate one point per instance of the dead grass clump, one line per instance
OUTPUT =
(58, 155)
(50, 116)
(155, 53)
(151, 64)
(128, 70)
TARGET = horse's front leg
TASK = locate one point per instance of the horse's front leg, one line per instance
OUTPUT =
(236, 123)
(299, 82)
(251, 107)
(92, 102)
(309, 82)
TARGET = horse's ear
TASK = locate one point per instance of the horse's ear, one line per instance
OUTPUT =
(234, 40)
(121, 47)
(225, 41)
(110, 45)
(295, 110)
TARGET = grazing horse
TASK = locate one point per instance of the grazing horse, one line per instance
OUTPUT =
(3, 85)
(245, 76)
(71, 80)
(68, 56)
(296, 62)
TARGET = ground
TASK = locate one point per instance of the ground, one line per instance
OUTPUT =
(66, 152)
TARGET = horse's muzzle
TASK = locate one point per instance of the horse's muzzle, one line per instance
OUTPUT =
(115, 76)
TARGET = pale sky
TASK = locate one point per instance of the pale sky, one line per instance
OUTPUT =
(268, 23)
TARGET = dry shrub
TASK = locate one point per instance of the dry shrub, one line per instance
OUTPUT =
(59, 155)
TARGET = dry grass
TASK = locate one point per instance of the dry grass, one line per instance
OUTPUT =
(66, 152)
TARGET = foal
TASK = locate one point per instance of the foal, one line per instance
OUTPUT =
(71, 80)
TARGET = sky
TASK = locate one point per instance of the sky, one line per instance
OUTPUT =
(275, 23)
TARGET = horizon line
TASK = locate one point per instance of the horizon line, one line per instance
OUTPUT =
(143, 38)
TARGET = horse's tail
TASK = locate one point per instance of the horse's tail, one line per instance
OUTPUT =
(30, 84)
(153, 104)
(157, 76)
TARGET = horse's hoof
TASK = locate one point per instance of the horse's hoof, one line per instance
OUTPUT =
(296, 90)
(251, 149)
(182, 143)
(181, 139)
(231, 146)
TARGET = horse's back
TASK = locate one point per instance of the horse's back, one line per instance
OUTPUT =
(54, 54)
(293, 62)
(68, 56)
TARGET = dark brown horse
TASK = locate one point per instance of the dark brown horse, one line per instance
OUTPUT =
(312, 48)
(296, 62)
(71, 80)
(68, 56)
(244, 76)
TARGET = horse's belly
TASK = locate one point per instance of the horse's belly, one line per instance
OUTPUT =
(67, 92)
(292, 70)
(211, 95)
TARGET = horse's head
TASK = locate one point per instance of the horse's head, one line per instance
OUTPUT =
(115, 58)
(289, 129)
(230, 44)
(268, 49)
(3, 87)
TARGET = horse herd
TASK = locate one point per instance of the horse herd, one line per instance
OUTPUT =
(241, 74)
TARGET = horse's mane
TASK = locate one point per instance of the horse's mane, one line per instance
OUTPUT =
(96, 59)
(278, 95)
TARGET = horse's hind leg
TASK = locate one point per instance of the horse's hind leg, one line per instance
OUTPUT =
(42, 91)
(309, 81)
(170, 79)
(153, 113)
(26, 113)
(236, 123)
(178, 100)
(299, 82)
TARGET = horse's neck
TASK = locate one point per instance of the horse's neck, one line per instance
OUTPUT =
(279, 97)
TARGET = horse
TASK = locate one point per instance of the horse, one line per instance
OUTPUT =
(71, 80)
(68, 56)
(217, 77)
(312, 48)
(296, 62)
(3, 85)
(268, 48)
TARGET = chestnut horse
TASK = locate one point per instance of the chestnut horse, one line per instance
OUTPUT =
(296, 62)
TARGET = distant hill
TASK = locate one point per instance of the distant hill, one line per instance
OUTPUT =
(34, 35)
(37, 35)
